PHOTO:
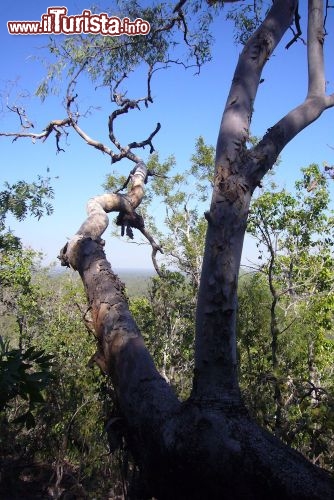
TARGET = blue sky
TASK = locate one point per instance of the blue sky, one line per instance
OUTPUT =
(186, 105)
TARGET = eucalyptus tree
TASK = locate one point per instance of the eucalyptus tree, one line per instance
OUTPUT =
(207, 446)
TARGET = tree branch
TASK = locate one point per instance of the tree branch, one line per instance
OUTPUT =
(315, 53)
(298, 32)
(97, 221)
(216, 373)
(72, 121)
(25, 123)
(121, 351)
(51, 127)
(125, 106)
(234, 130)
(146, 142)
(265, 153)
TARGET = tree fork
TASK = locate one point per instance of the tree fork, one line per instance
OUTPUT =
(208, 447)
(196, 449)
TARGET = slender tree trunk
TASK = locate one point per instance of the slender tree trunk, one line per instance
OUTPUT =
(216, 360)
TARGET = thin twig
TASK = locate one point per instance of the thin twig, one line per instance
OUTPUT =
(155, 249)
(22, 116)
(297, 34)
(326, 14)
(51, 127)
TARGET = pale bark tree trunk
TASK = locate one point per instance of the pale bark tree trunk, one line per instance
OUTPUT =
(208, 446)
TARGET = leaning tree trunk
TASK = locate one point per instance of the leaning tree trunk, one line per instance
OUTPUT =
(208, 446)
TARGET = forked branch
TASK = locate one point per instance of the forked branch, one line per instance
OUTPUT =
(296, 33)
(124, 105)
(72, 121)
(234, 130)
(55, 126)
(277, 137)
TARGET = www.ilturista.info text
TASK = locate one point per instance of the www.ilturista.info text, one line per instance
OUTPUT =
(56, 22)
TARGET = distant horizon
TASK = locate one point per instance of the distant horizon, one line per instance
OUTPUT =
(78, 174)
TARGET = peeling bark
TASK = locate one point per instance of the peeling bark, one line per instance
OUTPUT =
(208, 446)
(197, 449)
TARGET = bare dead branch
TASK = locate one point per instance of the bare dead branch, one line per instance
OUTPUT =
(179, 6)
(146, 142)
(155, 249)
(25, 123)
(125, 106)
(149, 78)
(177, 62)
(118, 82)
(296, 34)
(183, 24)
(127, 221)
(58, 137)
(57, 126)
(169, 25)
(326, 14)
(86, 318)
(53, 126)
(287, 327)
(91, 142)
(70, 98)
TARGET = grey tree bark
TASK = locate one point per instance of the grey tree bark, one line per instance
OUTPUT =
(208, 446)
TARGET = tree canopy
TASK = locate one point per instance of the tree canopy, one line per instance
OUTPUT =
(208, 445)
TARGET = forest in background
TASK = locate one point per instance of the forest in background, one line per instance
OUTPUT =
(188, 421)
(61, 434)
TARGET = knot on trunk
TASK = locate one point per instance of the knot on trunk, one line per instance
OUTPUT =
(71, 254)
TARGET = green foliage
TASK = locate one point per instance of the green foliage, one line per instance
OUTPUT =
(296, 232)
(22, 199)
(303, 375)
(183, 195)
(247, 19)
(63, 405)
(166, 320)
(24, 374)
(19, 295)
(77, 402)
(24, 370)
(286, 352)
(106, 60)
(15, 269)
(254, 343)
